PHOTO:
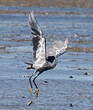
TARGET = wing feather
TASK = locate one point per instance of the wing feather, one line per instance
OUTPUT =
(39, 44)
(58, 48)
(35, 28)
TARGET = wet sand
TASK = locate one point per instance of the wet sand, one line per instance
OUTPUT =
(56, 94)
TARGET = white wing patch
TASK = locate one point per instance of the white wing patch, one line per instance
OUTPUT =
(58, 48)
(40, 54)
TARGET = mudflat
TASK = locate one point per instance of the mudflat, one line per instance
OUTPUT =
(70, 85)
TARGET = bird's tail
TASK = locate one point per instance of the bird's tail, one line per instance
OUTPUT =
(30, 65)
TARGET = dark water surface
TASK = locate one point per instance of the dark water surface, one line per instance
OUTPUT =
(16, 48)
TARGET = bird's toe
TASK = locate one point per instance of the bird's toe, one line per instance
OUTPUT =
(36, 92)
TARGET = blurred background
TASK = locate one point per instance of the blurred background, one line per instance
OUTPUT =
(48, 3)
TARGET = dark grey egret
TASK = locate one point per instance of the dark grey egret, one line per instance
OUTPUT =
(43, 59)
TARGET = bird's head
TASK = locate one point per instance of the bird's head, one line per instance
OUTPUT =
(50, 59)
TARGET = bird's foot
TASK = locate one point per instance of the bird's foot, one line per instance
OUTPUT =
(30, 90)
(36, 92)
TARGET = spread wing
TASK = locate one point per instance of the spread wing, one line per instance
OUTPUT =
(39, 44)
(58, 48)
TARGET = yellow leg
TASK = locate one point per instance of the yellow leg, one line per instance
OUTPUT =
(36, 92)
(30, 90)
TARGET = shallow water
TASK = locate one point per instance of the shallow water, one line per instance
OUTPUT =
(16, 48)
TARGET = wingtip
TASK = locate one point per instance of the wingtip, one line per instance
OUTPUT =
(31, 12)
(66, 41)
(31, 15)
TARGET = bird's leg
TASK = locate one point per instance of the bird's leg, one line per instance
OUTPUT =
(37, 90)
(30, 89)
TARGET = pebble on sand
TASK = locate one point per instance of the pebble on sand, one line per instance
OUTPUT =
(71, 105)
(23, 96)
(86, 73)
(91, 84)
(45, 81)
(29, 103)
(70, 76)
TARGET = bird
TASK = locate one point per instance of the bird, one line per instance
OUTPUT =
(43, 59)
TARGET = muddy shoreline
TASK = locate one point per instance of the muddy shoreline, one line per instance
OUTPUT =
(48, 3)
